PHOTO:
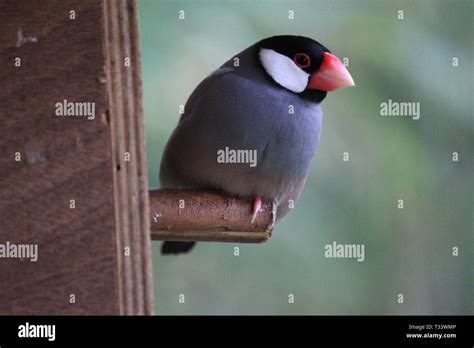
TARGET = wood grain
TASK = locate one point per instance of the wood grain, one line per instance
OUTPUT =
(129, 156)
(81, 250)
(188, 215)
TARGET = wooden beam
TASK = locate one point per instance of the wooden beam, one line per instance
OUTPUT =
(129, 168)
(66, 187)
(188, 215)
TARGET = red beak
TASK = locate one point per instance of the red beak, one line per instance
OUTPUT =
(331, 75)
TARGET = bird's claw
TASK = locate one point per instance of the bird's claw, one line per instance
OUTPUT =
(257, 205)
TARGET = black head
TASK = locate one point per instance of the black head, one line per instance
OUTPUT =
(302, 65)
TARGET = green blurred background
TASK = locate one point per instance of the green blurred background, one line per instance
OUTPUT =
(407, 251)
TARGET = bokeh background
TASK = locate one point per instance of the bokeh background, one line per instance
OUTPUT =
(407, 251)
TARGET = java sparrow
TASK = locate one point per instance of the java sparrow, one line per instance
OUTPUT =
(246, 104)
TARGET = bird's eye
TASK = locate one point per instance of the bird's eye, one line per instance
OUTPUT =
(302, 60)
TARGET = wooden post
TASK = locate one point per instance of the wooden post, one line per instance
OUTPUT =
(73, 178)
(74, 186)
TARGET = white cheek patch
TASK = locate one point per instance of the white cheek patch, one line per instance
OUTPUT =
(283, 70)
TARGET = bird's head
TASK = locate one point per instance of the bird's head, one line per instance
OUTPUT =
(302, 65)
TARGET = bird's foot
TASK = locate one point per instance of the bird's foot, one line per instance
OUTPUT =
(257, 205)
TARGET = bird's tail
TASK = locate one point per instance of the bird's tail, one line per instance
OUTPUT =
(176, 247)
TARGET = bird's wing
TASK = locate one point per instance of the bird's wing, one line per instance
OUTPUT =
(231, 111)
(199, 91)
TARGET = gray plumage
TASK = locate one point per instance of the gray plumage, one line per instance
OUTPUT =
(242, 108)
(268, 103)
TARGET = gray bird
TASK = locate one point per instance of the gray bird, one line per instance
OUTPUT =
(265, 99)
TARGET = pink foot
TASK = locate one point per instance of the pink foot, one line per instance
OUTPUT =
(257, 205)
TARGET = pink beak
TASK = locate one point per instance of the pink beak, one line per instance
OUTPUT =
(331, 75)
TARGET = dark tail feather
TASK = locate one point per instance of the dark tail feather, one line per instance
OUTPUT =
(176, 247)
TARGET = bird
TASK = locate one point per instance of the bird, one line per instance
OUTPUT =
(267, 98)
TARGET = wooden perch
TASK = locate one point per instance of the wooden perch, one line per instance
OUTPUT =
(189, 215)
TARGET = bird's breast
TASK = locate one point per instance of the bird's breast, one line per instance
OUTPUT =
(280, 126)
(275, 132)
